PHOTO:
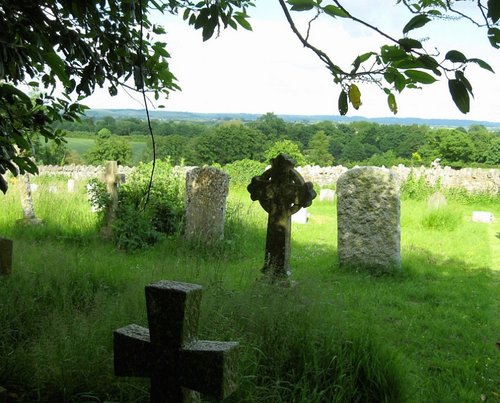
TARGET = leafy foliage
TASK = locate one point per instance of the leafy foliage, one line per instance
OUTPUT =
(286, 147)
(108, 148)
(82, 46)
(241, 172)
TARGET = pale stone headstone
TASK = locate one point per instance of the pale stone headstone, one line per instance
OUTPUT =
(436, 201)
(6, 248)
(29, 216)
(327, 195)
(33, 187)
(90, 189)
(368, 219)
(169, 353)
(281, 191)
(111, 179)
(301, 216)
(71, 185)
(53, 189)
(206, 194)
(482, 216)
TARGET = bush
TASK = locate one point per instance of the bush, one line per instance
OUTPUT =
(441, 219)
(417, 189)
(241, 172)
(137, 224)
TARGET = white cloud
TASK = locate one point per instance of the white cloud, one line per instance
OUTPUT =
(268, 70)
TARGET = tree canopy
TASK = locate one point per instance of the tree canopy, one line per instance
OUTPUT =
(76, 46)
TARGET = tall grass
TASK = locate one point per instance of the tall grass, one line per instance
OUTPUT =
(425, 335)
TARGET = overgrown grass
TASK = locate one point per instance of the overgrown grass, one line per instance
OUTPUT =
(427, 334)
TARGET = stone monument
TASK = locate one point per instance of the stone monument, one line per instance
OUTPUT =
(168, 352)
(206, 194)
(29, 217)
(281, 191)
(368, 219)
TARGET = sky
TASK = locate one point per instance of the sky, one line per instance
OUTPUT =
(268, 69)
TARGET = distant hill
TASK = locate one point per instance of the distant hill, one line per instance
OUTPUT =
(247, 117)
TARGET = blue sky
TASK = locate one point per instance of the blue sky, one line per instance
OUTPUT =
(268, 70)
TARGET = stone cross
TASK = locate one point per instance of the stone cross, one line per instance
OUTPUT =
(111, 179)
(6, 247)
(169, 353)
(281, 191)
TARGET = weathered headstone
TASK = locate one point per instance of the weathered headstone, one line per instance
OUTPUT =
(436, 201)
(301, 216)
(53, 189)
(29, 217)
(327, 195)
(111, 179)
(206, 194)
(169, 353)
(281, 191)
(482, 216)
(368, 219)
(71, 185)
(6, 247)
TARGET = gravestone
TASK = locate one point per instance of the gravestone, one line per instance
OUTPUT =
(301, 216)
(29, 217)
(111, 179)
(368, 219)
(6, 247)
(71, 185)
(482, 216)
(206, 194)
(436, 201)
(281, 191)
(327, 195)
(168, 352)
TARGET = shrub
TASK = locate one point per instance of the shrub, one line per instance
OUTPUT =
(241, 172)
(417, 189)
(441, 219)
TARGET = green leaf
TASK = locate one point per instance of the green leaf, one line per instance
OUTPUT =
(455, 56)
(420, 76)
(494, 37)
(343, 105)
(57, 66)
(391, 101)
(301, 5)
(460, 95)
(354, 96)
(482, 64)
(416, 22)
(335, 11)
(408, 44)
(242, 20)
(392, 53)
(494, 10)
(360, 59)
(459, 75)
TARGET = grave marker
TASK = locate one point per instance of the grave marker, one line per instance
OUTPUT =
(206, 194)
(368, 219)
(281, 191)
(436, 201)
(71, 185)
(327, 195)
(6, 247)
(111, 179)
(482, 216)
(169, 353)
(29, 216)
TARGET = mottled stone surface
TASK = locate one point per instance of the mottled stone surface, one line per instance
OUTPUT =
(281, 192)
(6, 248)
(29, 217)
(168, 352)
(368, 216)
(206, 194)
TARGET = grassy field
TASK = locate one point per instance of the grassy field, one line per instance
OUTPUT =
(427, 334)
(82, 144)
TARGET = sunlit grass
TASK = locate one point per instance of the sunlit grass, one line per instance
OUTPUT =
(427, 334)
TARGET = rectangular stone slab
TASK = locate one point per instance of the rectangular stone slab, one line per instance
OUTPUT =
(132, 352)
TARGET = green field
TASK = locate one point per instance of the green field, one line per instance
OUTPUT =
(82, 144)
(427, 334)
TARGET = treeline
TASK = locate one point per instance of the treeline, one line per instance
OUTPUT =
(323, 143)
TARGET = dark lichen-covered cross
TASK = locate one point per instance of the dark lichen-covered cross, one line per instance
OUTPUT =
(168, 351)
(281, 191)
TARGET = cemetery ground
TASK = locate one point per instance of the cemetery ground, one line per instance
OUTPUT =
(427, 334)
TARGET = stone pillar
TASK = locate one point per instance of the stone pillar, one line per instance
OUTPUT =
(29, 216)
(206, 194)
(368, 219)
(6, 247)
